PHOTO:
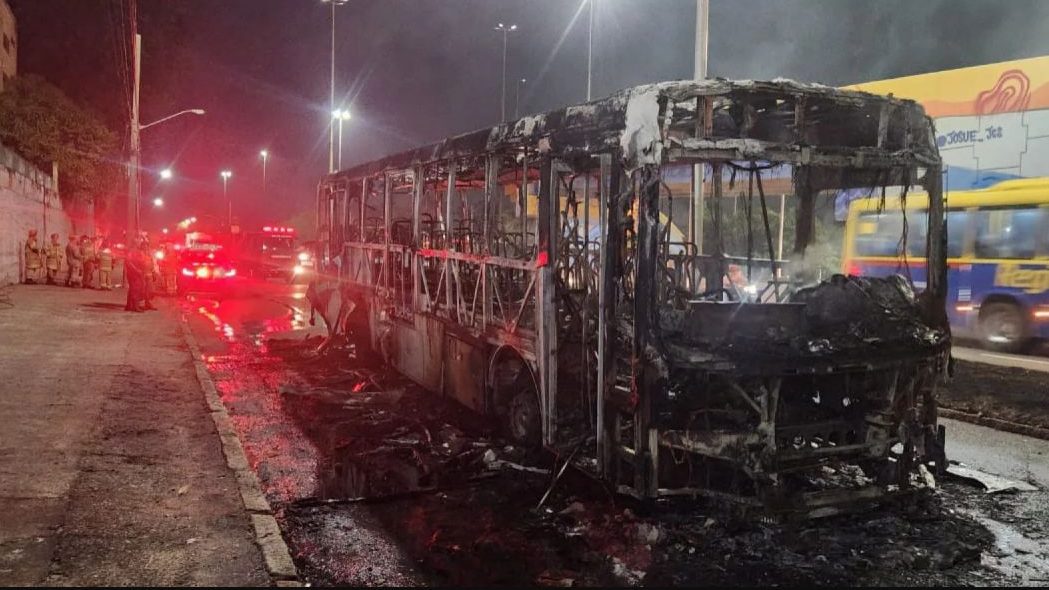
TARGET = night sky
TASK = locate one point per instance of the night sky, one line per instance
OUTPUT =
(414, 71)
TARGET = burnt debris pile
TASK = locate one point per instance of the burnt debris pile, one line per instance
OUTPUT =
(850, 312)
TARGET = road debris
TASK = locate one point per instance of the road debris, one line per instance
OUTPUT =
(994, 484)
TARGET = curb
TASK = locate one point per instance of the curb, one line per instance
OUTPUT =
(995, 423)
(274, 550)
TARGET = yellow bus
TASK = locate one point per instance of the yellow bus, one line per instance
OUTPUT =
(997, 256)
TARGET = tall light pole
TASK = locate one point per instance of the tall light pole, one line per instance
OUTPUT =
(697, 204)
(590, 53)
(331, 105)
(226, 174)
(265, 155)
(340, 115)
(505, 30)
(517, 100)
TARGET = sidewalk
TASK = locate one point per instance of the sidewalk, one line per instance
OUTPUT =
(111, 470)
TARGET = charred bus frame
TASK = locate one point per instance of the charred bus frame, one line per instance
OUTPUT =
(587, 326)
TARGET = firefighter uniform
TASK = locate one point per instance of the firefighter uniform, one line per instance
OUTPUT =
(75, 276)
(105, 269)
(169, 271)
(33, 261)
(53, 259)
(90, 261)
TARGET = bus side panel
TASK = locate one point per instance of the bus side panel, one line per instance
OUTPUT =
(414, 350)
(465, 368)
(1024, 281)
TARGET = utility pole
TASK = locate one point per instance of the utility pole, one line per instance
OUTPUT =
(697, 204)
(590, 54)
(136, 143)
(517, 100)
(265, 154)
(226, 174)
(331, 128)
(134, 161)
(505, 30)
(331, 104)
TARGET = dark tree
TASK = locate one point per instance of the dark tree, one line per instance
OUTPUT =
(41, 123)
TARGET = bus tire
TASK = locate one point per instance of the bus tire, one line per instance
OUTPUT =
(523, 421)
(1002, 327)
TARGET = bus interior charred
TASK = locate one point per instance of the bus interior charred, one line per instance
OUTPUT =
(536, 272)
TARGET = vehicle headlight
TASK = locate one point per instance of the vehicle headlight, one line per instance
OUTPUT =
(298, 269)
(303, 257)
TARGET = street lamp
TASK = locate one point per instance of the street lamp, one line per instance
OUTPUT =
(505, 30)
(134, 185)
(265, 155)
(166, 174)
(158, 202)
(226, 174)
(331, 128)
(340, 115)
(517, 100)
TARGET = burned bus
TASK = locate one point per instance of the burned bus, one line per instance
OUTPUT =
(545, 273)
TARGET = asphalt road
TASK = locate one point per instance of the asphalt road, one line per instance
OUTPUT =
(233, 333)
(1034, 363)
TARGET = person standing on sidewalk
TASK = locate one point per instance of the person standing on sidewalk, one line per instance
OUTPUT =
(53, 259)
(149, 270)
(134, 268)
(105, 267)
(76, 267)
(33, 261)
(88, 253)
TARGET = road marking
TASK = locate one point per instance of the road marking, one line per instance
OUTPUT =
(1016, 359)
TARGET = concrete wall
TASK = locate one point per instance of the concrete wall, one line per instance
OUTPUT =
(8, 44)
(28, 201)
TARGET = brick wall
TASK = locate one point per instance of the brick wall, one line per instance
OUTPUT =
(28, 201)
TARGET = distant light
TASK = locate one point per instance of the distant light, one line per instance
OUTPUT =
(159, 255)
(164, 231)
(166, 174)
(158, 202)
(265, 154)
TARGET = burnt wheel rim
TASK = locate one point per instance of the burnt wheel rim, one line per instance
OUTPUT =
(523, 416)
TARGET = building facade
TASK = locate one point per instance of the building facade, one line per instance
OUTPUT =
(8, 44)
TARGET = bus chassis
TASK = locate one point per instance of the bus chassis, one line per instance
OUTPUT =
(587, 325)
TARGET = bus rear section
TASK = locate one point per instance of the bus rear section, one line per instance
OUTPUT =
(998, 257)
(646, 284)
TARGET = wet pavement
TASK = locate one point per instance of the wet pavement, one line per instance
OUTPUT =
(376, 482)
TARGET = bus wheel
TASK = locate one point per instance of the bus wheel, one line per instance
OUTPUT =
(523, 424)
(1002, 327)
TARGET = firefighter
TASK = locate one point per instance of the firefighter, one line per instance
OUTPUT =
(105, 267)
(149, 272)
(75, 276)
(168, 270)
(33, 261)
(90, 260)
(134, 271)
(53, 259)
